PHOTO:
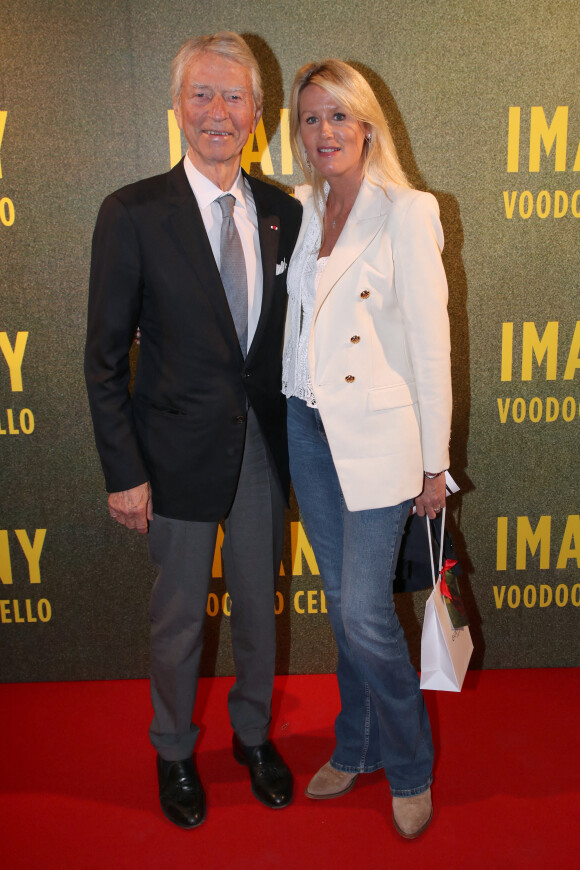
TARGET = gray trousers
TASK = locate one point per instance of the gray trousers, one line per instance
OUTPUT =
(251, 553)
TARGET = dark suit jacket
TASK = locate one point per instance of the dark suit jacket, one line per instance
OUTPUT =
(183, 427)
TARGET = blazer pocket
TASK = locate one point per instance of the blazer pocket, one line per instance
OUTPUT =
(163, 410)
(394, 396)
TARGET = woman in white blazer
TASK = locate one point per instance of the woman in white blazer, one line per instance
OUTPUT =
(367, 376)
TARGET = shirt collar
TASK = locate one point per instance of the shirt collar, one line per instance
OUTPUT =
(206, 191)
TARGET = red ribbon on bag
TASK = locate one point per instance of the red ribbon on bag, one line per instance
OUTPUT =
(447, 565)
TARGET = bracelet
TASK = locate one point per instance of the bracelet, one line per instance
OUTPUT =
(430, 476)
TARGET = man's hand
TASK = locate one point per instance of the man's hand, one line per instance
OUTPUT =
(432, 499)
(132, 507)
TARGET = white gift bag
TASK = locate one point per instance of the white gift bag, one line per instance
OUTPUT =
(445, 650)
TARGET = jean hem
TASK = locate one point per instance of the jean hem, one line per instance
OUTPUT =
(360, 768)
(411, 792)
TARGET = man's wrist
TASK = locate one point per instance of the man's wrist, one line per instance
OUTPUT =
(430, 476)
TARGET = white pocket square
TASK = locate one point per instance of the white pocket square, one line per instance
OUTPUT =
(281, 267)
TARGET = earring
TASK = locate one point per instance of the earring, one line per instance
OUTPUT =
(306, 160)
(369, 137)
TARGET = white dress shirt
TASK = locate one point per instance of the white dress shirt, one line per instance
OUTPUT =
(246, 220)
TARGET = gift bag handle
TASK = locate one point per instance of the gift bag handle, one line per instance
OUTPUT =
(433, 574)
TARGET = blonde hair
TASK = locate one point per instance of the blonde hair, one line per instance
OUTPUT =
(228, 45)
(351, 90)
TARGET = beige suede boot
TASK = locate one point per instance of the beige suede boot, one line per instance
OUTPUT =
(329, 783)
(412, 815)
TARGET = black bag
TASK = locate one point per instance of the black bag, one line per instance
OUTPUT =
(413, 571)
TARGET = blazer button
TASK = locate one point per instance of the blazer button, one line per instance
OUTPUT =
(240, 419)
(355, 339)
(349, 379)
(365, 294)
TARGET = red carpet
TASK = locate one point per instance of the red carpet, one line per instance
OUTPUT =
(78, 786)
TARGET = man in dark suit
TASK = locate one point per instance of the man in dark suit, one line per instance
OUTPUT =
(202, 437)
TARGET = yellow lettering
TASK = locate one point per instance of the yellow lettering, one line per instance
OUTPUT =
(29, 616)
(7, 211)
(311, 597)
(227, 604)
(503, 408)
(561, 596)
(44, 610)
(526, 538)
(14, 357)
(543, 204)
(541, 133)
(297, 606)
(574, 355)
(560, 203)
(509, 204)
(514, 596)
(507, 345)
(545, 595)
(32, 551)
(530, 595)
(535, 409)
(568, 409)
(262, 153)
(5, 610)
(513, 155)
(576, 167)
(16, 609)
(301, 547)
(501, 544)
(5, 563)
(279, 603)
(570, 548)
(526, 205)
(547, 347)
(27, 421)
(552, 409)
(213, 604)
(498, 594)
(10, 418)
(175, 152)
(519, 410)
(285, 149)
(3, 117)
(217, 567)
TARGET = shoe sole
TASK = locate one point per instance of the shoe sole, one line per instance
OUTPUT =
(335, 794)
(415, 834)
(182, 826)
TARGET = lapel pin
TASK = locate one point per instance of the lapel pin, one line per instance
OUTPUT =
(274, 227)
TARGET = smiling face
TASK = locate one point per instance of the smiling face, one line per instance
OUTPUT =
(333, 138)
(216, 112)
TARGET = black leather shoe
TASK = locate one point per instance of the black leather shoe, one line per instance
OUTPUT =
(181, 793)
(271, 778)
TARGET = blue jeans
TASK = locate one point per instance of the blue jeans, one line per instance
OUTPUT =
(383, 722)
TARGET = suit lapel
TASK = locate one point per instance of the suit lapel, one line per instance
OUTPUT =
(186, 224)
(366, 218)
(269, 234)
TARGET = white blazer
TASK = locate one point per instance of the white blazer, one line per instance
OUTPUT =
(379, 351)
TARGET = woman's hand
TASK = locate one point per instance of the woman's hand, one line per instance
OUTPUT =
(432, 499)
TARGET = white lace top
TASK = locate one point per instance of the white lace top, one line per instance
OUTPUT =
(304, 275)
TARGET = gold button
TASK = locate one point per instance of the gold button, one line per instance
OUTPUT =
(349, 379)
(365, 294)
(355, 339)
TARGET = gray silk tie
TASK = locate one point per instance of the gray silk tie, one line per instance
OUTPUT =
(233, 269)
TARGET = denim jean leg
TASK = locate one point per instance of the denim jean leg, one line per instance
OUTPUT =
(321, 505)
(376, 640)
